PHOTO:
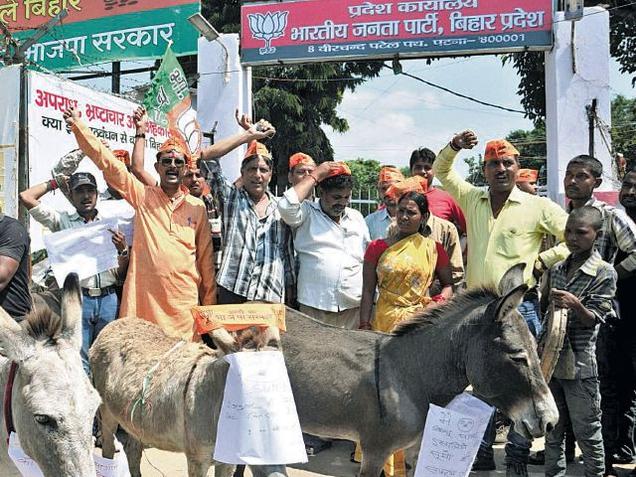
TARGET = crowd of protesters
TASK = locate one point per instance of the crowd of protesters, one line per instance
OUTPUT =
(312, 251)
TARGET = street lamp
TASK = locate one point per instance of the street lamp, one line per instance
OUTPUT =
(211, 34)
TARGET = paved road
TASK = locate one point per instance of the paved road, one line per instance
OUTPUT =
(332, 462)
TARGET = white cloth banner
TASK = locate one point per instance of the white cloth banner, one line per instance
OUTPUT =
(86, 250)
(452, 436)
(117, 467)
(258, 424)
(9, 139)
(110, 117)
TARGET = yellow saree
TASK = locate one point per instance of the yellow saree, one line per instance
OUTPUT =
(405, 272)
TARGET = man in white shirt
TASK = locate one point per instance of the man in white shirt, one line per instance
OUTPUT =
(330, 240)
(379, 221)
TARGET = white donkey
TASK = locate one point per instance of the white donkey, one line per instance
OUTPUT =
(52, 403)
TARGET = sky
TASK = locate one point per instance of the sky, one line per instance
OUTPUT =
(391, 115)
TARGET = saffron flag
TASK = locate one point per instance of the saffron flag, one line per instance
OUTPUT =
(169, 104)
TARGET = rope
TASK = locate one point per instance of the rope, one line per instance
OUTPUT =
(143, 395)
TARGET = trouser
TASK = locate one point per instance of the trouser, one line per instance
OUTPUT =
(607, 357)
(517, 447)
(580, 400)
(626, 364)
(97, 312)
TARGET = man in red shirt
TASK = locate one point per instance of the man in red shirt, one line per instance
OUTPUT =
(440, 203)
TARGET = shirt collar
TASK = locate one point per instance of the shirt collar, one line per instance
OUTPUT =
(516, 195)
(591, 265)
(592, 201)
(75, 217)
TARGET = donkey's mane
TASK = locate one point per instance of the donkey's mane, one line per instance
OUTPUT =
(459, 304)
(42, 323)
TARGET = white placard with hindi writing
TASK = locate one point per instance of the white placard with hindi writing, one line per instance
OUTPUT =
(258, 424)
(86, 250)
(452, 436)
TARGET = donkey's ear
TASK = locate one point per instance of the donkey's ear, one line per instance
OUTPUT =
(512, 278)
(510, 301)
(15, 344)
(72, 311)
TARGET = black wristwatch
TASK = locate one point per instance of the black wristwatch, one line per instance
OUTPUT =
(140, 136)
(123, 253)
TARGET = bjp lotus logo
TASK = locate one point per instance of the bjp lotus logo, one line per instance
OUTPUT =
(267, 27)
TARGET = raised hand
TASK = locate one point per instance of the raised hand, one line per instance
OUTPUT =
(464, 140)
(71, 116)
(140, 117)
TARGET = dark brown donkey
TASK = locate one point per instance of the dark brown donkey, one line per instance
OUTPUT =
(376, 388)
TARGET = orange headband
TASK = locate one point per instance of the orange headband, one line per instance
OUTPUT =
(341, 170)
(498, 149)
(390, 174)
(257, 149)
(527, 175)
(300, 158)
(175, 144)
(412, 184)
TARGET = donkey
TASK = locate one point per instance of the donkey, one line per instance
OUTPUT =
(163, 392)
(376, 388)
(53, 403)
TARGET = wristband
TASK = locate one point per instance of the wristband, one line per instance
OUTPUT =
(453, 147)
(52, 185)
(140, 136)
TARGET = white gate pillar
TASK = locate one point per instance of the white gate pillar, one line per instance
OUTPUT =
(571, 84)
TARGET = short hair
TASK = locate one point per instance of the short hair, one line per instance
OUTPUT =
(421, 154)
(267, 160)
(593, 164)
(341, 181)
(588, 215)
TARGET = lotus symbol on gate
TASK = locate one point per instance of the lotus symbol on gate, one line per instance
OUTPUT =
(267, 28)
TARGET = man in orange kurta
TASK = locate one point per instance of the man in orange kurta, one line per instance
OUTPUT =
(171, 268)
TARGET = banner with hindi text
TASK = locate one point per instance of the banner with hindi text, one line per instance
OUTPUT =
(319, 30)
(101, 31)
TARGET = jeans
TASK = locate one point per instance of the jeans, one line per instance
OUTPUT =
(517, 447)
(606, 358)
(579, 399)
(97, 312)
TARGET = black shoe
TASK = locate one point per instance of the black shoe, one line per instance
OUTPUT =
(537, 458)
(484, 463)
(610, 471)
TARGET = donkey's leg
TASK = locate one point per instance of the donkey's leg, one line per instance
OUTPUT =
(268, 470)
(109, 427)
(197, 467)
(133, 449)
(223, 470)
(373, 459)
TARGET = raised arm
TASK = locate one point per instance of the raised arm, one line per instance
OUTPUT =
(443, 167)
(114, 171)
(258, 131)
(139, 148)
(44, 215)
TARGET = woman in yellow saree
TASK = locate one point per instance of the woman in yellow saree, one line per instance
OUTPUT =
(403, 267)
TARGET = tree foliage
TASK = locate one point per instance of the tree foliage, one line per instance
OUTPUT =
(531, 67)
(623, 126)
(365, 173)
(298, 100)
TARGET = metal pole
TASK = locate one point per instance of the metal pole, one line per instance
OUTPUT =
(591, 122)
(116, 79)
(23, 146)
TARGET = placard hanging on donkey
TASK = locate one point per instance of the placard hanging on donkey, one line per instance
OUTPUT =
(258, 424)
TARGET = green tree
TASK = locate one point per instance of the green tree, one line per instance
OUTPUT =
(365, 175)
(475, 172)
(298, 100)
(623, 126)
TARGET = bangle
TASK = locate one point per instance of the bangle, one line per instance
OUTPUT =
(140, 136)
(453, 147)
(52, 185)
(316, 181)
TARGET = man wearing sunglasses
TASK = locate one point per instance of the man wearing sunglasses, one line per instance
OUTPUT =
(170, 268)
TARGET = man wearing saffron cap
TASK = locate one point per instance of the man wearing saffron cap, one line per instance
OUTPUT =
(379, 221)
(527, 180)
(505, 227)
(440, 203)
(300, 165)
(170, 267)
(330, 239)
(257, 261)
